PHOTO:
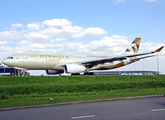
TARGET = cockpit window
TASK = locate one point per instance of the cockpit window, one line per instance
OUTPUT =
(10, 58)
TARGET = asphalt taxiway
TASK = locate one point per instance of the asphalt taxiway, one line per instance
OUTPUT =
(130, 109)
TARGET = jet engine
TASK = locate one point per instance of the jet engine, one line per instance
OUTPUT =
(74, 68)
(53, 72)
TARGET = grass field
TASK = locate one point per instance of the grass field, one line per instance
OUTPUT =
(36, 90)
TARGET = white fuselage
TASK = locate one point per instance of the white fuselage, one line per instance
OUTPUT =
(52, 62)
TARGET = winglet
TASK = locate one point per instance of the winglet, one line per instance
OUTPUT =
(159, 49)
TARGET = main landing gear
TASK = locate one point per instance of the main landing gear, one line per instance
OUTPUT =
(85, 73)
(88, 73)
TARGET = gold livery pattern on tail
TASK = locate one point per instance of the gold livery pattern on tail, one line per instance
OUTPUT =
(134, 47)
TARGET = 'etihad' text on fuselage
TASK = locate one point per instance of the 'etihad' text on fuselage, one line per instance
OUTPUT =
(51, 56)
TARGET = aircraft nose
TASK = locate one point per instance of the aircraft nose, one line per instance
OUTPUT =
(8, 62)
(4, 62)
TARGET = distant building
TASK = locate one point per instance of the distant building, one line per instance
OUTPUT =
(125, 73)
(9, 71)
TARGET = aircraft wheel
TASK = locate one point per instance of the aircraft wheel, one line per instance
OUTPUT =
(75, 74)
(88, 73)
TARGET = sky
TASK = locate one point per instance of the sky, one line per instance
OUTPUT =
(83, 27)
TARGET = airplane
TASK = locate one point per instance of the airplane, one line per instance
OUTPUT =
(61, 64)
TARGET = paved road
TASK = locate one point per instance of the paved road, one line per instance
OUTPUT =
(135, 109)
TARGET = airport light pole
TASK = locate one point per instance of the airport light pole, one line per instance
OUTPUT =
(143, 64)
(158, 63)
(15, 71)
(148, 69)
(4, 68)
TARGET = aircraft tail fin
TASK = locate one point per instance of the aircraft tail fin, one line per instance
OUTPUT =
(133, 47)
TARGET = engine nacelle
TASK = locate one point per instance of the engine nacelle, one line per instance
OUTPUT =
(74, 68)
(53, 72)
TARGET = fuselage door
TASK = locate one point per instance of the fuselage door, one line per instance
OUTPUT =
(21, 58)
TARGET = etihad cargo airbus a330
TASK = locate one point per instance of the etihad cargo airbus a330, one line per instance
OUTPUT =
(57, 64)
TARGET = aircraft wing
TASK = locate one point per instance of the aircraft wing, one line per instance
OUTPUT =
(91, 63)
(137, 59)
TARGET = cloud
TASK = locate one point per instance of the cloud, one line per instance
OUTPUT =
(24, 42)
(146, 47)
(37, 37)
(160, 31)
(17, 25)
(89, 32)
(57, 22)
(49, 30)
(10, 42)
(3, 42)
(63, 27)
(37, 45)
(59, 40)
(33, 26)
(12, 34)
(114, 45)
(151, 0)
(106, 46)
(118, 1)
(65, 30)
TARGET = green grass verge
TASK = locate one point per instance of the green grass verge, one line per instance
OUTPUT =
(24, 91)
(71, 97)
